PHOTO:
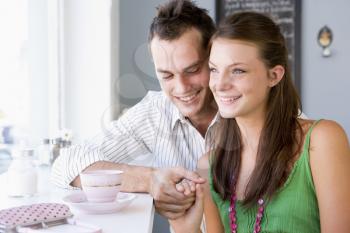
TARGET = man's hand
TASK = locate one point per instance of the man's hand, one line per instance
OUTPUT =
(170, 202)
(190, 222)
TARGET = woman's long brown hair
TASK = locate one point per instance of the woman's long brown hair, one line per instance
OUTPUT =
(279, 141)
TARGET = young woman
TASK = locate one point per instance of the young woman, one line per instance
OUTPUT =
(270, 171)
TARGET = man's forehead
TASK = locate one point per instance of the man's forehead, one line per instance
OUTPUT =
(190, 37)
(176, 54)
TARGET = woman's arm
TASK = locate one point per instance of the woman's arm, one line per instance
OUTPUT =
(211, 214)
(190, 222)
(330, 167)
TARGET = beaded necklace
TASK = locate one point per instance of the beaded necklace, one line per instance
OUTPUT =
(232, 214)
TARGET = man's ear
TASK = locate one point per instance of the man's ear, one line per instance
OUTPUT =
(275, 75)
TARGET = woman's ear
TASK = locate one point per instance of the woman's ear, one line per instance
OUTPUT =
(276, 74)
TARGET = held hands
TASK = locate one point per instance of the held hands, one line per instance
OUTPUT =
(172, 200)
(190, 222)
(186, 187)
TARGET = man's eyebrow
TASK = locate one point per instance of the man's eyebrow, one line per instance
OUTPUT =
(194, 64)
(163, 71)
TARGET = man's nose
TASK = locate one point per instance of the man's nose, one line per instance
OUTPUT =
(182, 84)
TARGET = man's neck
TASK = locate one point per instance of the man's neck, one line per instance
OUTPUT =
(202, 122)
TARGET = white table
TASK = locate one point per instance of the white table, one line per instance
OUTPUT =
(135, 218)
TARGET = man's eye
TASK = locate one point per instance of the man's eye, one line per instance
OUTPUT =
(166, 76)
(192, 70)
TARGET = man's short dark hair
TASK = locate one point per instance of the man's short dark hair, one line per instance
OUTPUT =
(175, 17)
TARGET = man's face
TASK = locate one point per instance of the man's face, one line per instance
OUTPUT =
(182, 69)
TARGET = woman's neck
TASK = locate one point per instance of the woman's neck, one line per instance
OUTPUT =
(251, 128)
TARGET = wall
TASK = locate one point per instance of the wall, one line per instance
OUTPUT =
(326, 81)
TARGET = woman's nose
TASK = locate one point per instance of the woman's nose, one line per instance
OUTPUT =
(223, 82)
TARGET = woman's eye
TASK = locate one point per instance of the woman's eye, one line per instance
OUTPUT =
(212, 70)
(238, 71)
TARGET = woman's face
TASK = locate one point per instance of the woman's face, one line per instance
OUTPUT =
(239, 79)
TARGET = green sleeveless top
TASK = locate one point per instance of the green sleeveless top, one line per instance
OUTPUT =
(293, 209)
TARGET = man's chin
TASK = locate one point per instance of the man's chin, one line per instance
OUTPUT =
(189, 110)
(189, 113)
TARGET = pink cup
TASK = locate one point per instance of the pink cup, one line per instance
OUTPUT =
(101, 185)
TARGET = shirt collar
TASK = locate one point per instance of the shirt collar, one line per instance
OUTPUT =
(178, 117)
(215, 120)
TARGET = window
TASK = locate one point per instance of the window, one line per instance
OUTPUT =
(29, 72)
(14, 82)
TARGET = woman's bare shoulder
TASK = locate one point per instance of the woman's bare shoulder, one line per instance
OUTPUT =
(328, 133)
(329, 142)
(330, 167)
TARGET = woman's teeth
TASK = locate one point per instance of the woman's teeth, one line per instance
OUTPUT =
(228, 100)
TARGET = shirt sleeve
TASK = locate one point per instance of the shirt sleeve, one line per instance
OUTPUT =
(122, 141)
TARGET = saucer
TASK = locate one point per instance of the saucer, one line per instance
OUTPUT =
(78, 202)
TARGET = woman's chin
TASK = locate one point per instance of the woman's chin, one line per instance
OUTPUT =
(225, 114)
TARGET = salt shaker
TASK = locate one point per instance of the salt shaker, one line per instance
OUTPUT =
(22, 174)
(45, 153)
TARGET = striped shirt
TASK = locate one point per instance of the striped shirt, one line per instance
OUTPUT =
(153, 133)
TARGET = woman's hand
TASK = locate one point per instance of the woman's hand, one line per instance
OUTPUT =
(190, 222)
(187, 187)
(170, 200)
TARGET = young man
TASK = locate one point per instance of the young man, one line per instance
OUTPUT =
(172, 125)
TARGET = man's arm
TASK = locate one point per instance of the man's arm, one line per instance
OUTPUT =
(105, 152)
(132, 135)
(160, 183)
(121, 142)
(135, 178)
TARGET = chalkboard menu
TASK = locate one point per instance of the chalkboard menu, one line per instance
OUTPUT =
(286, 13)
